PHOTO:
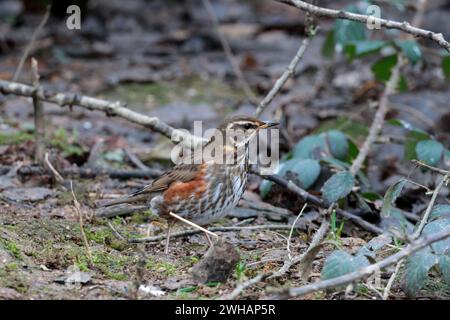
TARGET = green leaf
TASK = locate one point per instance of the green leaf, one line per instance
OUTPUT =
(402, 85)
(411, 49)
(338, 186)
(440, 211)
(390, 196)
(354, 129)
(362, 48)
(371, 196)
(439, 247)
(306, 171)
(429, 151)
(382, 69)
(310, 147)
(329, 45)
(337, 142)
(444, 267)
(446, 67)
(347, 31)
(416, 270)
(412, 139)
(340, 263)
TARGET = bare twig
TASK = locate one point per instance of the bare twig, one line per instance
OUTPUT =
(288, 246)
(437, 170)
(28, 170)
(213, 229)
(135, 160)
(39, 119)
(52, 169)
(316, 201)
(80, 220)
(108, 107)
(116, 233)
(30, 44)
(244, 285)
(424, 219)
(289, 72)
(378, 121)
(389, 24)
(229, 54)
(317, 239)
(366, 271)
(391, 280)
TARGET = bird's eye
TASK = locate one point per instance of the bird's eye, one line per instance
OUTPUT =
(247, 126)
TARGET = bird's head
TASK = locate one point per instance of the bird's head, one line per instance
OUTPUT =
(238, 131)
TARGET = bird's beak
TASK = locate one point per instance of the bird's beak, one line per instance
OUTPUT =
(269, 124)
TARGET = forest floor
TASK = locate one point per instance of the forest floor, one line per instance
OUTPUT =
(172, 66)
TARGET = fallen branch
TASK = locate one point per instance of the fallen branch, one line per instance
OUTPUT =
(317, 239)
(389, 24)
(291, 186)
(108, 107)
(366, 271)
(213, 229)
(28, 170)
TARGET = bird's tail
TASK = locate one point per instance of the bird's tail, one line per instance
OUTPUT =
(127, 199)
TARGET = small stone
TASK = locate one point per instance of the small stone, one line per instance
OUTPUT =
(217, 264)
(27, 194)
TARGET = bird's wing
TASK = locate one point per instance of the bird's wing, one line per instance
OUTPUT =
(179, 173)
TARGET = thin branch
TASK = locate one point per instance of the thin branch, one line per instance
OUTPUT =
(39, 119)
(424, 220)
(213, 229)
(108, 107)
(229, 53)
(388, 287)
(289, 72)
(437, 170)
(380, 115)
(389, 24)
(317, 239)
(30, 44)
(27, 170)
(306, 196)
(52, 169)
(244, 285)
(135, 160)
(366, 271)
(288, 246)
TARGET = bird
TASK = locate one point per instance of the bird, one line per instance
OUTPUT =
(203, 191)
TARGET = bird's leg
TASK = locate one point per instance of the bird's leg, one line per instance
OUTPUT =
(211, 244)
(169, 225)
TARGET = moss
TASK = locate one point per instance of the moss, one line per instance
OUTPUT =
(12, 248)
(15, 138)
(66, 143)
(193, 90)
(163, 267)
